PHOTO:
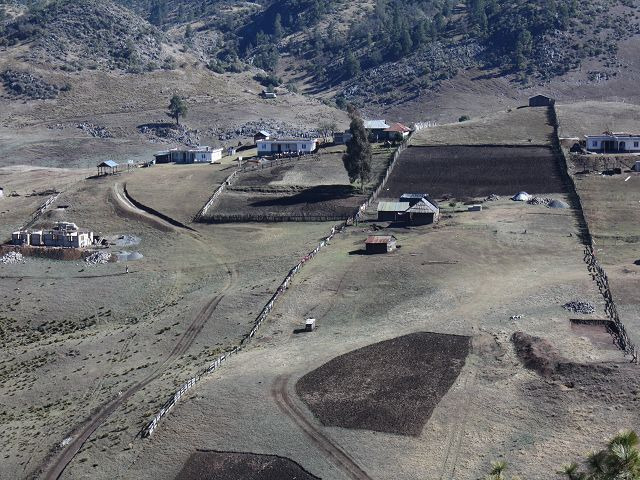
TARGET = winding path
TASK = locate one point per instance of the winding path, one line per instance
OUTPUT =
(326, 446)
(53, 469)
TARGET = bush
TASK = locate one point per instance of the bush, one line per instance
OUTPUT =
(464, 118)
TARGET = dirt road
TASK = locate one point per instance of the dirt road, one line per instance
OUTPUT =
(330, 450)
(53, 469)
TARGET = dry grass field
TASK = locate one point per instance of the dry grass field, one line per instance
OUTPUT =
(497, 408)
(592, 118)
(518, 126)
(79, 336)
(475, 171)
(88, 342)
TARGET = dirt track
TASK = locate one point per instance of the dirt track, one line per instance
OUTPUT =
(333, 452)
(55, 466)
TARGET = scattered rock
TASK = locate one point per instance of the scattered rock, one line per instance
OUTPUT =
(492, 198)
(95, 131)
(27, 85)
(576, 306)
(98, 258)
(170, 133)
(540, 201)
(12, 258)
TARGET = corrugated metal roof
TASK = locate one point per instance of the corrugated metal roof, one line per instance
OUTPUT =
(380, 239)
(393, 206)
(423, 206)
(398, 127)
(375, 124)
(108, 163)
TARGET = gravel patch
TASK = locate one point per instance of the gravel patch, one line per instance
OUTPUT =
(12, 258)
(98, 258)
(576, 306)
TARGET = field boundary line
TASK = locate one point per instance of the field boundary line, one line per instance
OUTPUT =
(152, 425)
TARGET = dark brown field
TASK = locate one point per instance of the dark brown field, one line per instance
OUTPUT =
(241, 466)
(391, 386)
(475, 171)
(323, 203)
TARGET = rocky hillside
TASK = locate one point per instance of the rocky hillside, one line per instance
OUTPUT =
(374, 53)
(87, 34)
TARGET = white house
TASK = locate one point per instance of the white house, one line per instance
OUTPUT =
(613, 143)
(291, 146)
(190, 155)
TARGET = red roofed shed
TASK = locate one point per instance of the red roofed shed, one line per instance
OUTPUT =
(380, 244)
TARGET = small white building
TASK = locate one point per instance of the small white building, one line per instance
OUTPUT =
(289, 146)
(190, 155)
(613, 143)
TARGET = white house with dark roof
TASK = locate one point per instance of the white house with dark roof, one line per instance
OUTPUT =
(613, 143)
(288, 146)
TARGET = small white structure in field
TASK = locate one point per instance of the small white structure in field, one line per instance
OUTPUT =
(474, 208)
(310, 325)
(1, 192)
(521, 197)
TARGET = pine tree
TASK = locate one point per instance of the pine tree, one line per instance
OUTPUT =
(357, 159)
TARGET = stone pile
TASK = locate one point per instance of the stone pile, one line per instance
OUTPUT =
(12, 258)
(492, 198)
(98, 258)
(95, 131)
(540, 201)
(584, 308)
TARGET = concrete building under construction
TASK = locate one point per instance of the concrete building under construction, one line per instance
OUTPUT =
(63, 234)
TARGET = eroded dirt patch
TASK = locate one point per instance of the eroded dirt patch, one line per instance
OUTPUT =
(391, 386)
(205, 465)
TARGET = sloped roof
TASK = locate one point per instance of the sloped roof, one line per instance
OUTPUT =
(423, 206)
(393, 206)
(419, 196)
(398, 127)
(375, 124)
(108, 163)
(263, 133)
(380, 239)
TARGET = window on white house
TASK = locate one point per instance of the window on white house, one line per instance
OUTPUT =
(635, 144)
(594, 143)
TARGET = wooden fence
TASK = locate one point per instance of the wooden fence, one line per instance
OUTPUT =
(620, 336)
(264, 313)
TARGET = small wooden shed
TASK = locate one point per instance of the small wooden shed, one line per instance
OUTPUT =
(380, 244)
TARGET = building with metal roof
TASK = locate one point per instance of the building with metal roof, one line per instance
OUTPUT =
(392, 211)
(380, 244)
(375, 125)
(108, 167)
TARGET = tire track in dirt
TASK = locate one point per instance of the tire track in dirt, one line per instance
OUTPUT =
(81, 434)
(330, 450)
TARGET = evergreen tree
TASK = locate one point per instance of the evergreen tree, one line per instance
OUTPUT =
(158, 12)
(357, 159)
(277, 28)
(177, 108)
(351, 65)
